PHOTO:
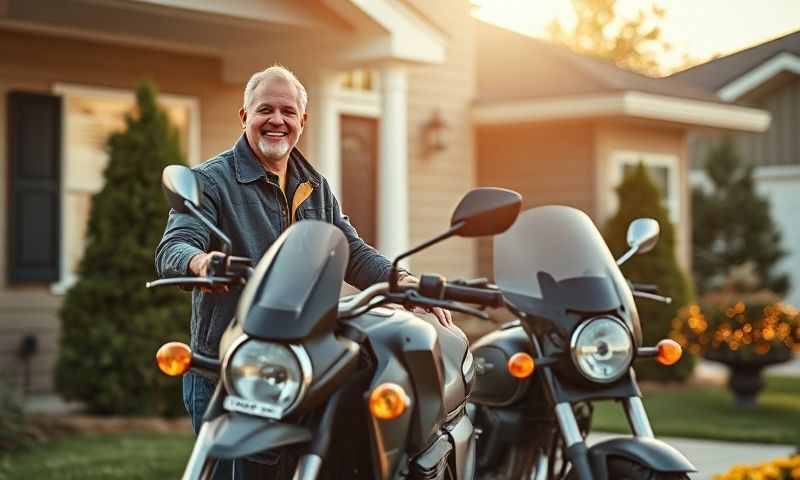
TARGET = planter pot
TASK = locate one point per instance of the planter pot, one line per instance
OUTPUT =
(745, 380)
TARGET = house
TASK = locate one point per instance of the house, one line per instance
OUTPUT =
(766, 77)
(563, 128)
(411, 103)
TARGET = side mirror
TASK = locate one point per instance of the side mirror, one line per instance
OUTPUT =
(180, 185)
(642, 237)
(486, 211)
(643, 234)
(183, 190)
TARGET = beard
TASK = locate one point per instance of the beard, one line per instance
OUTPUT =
(274, 151)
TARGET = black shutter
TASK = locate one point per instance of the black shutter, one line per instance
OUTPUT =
(34, 152)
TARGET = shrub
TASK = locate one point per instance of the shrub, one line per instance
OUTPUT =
(639, 197)
(15, 431)
(111, 325)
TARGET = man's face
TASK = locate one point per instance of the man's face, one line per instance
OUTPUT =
(273, 121)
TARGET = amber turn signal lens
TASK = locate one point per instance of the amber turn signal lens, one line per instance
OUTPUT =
(669, 352)
(388, 401)
(520, 365)
(174, 358)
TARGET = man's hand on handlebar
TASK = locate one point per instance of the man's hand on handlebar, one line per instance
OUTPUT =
(199, 265)
(444, 316)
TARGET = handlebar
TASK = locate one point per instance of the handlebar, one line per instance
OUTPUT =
(478, 296)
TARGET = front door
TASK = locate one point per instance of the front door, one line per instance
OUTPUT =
(359, 174)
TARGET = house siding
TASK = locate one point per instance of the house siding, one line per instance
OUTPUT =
(546, 163)
(33, 309)
(438, 181)
(778, 146)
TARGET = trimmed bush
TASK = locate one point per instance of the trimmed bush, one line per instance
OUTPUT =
(111, 324)
(639, 197)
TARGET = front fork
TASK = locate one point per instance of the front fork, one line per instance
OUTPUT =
(577, 452)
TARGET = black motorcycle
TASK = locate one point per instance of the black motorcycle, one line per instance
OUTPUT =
(577, 336)
(335, 388)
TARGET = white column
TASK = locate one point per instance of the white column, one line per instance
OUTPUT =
(324, 122)
(393, 163)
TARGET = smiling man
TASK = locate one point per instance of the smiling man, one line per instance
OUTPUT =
(254, 192)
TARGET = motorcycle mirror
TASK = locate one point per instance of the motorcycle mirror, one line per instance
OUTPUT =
(643, 234)
(642, 237)
(482, 211)
(485, 211)
(183, 190)
(180, 185)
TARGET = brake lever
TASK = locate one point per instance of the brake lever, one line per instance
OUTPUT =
(652, 296)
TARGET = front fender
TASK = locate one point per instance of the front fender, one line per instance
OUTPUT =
(650, 452)
(234, 435)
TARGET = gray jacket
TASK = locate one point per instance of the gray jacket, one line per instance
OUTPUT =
(246, 202)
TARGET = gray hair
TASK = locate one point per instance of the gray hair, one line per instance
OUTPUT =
(276, 71)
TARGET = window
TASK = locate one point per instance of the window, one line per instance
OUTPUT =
(34, 169)
(663, 171)
(89, 116)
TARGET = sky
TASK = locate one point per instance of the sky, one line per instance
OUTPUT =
(701, 28)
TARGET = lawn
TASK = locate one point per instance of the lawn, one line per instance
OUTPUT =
(708, 412)
(130, 456)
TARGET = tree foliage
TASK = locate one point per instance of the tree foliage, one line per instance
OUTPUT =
(732, 225)
(111, 324)
(639, 197)
(632, 43)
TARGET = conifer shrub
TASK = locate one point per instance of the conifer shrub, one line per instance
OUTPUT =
(639, 197)
(111, 324)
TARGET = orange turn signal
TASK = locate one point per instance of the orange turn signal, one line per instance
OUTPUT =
(521, 365)
(668, 352)
(388, 401)
(174, 358)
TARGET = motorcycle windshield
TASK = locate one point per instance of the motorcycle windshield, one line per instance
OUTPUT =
(554, 260)
(295, 287)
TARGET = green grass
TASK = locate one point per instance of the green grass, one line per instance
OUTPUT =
(709, 412)
(130, 456)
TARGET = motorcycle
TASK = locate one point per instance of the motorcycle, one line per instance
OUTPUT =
(344, 388)
(574, 343)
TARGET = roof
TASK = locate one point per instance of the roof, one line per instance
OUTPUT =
(717, 73)
(515, 66)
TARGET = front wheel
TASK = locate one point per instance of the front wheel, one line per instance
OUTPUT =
(624, 469)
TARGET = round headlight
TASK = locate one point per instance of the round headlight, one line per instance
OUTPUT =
(266, 372)
(602, 349)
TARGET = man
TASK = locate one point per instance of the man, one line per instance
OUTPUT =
(254, 192)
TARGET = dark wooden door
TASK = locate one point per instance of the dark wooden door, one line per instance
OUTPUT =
(359, 147)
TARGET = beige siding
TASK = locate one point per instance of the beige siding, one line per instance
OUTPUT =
(637, 137)
(35, 63)
(547, 163)
(438, 181)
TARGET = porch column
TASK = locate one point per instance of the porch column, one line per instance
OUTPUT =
(324, 123)
(393, 162)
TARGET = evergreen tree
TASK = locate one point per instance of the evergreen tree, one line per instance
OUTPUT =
(111, 324)
(639, 197)
(732, 225)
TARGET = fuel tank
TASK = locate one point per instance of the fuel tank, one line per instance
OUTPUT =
(493, 384)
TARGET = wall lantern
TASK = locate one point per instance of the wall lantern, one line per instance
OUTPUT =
(435, 134)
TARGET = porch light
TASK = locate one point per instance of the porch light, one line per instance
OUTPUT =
(435, 134)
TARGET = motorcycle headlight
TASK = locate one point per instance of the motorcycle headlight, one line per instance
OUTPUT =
(602, 349)
(271, 374)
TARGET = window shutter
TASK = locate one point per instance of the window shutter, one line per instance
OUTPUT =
(34, 152)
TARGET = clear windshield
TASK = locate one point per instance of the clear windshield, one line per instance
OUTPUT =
(553, 260)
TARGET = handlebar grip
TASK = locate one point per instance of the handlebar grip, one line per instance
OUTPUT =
(479, 296)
